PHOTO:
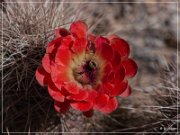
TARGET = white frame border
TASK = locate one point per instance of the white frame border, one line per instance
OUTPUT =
(96, 132)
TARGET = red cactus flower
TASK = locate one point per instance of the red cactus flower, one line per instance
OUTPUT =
(86, 72)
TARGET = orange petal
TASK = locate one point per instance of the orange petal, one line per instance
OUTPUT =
(79, 29)
(51, 45)
(72, 88)
(79, 45)
(67, 42)
(82, 105)
(59, 75)
(82, 95)
(63, 56)
(46, 63)
(42, 76)
(55, 93)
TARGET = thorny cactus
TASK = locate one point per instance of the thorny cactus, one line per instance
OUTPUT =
(168, 102)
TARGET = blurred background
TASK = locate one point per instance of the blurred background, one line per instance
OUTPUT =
(150, 29)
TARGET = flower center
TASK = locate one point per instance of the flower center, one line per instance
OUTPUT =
(90, 69)
(87, 69)
(86, 73)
